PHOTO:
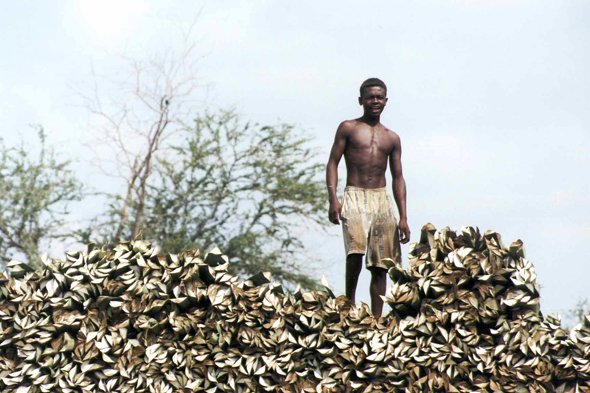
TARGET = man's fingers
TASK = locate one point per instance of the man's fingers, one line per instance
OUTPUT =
(404, 233)
(333, 217)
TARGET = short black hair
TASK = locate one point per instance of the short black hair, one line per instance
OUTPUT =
(372, 82)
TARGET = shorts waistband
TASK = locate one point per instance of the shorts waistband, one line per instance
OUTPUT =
(357, 189)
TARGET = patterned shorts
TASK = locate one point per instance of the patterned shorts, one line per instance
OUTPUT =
(369, 225)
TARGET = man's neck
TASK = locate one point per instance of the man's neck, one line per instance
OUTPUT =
(370, 120)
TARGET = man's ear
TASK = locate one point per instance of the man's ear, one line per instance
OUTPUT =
(361, 101)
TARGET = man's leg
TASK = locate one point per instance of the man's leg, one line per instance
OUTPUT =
(354, 265)
(378, 287)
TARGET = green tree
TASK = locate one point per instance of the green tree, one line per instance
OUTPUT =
(243, 187)
(216, 181)
(34, 197)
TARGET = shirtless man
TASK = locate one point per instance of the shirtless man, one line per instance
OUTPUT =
(367, 213)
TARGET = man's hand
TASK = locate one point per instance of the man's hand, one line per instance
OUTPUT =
(404, 231)
(335, 213)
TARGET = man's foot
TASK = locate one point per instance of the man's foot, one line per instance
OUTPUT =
(343, 303)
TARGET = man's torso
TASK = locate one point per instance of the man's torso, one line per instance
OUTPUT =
(367, 153)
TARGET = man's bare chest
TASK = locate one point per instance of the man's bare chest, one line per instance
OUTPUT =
(371, 140)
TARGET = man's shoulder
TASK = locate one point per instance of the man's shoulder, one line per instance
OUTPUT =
(347, 128)
(393, 139)
(390, 133)
(349, 125)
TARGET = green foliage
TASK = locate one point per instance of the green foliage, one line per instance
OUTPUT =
(249, 189)
(34, 195)
(245, 188)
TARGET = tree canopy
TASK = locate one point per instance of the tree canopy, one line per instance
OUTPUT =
(243, 187)
(186, 178)
(35, 191)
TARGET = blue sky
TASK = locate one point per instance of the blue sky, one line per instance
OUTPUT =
(490, 99)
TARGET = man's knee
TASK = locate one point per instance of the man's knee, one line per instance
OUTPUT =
(354, 262)
(377, 272)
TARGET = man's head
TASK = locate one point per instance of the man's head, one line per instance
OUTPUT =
(372, 82)
(373, 97)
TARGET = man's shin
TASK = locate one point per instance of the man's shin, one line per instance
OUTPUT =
(378, 287)
(354, 265)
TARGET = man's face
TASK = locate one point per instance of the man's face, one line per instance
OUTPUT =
(373, 100)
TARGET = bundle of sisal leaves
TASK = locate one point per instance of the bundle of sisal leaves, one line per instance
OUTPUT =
(464, 318)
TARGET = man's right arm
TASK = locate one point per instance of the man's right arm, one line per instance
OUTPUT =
(332, 172)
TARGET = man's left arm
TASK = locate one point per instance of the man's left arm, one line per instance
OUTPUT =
(399, 188)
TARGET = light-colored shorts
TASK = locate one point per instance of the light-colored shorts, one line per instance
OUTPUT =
(369, 225)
